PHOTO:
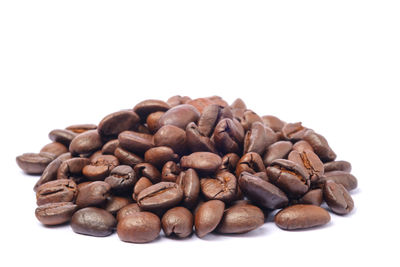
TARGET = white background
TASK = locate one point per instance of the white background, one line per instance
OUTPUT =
(334, 65)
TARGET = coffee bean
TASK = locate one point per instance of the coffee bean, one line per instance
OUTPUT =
(152, 121)
(126, 157)
(273, 122)
(109, 147)
(320, 146)
(196, 141)
(170, 172)
(93, 221)
(122, 179)
(35, 163)
(229, 136)
(248, 118)
(301, 146)
(127, 210)
(171, 136)
(146, 107)
(86, 143)
(203, 162)
(55, 148)
(135, 142)
(100, 167)
(180, 116)
(240, 219)
(229, 162)
(94, 194)
(278, 150)
(63, 190)
(139, 227)
(178, 100)
(337, 198)
(62, 136)
(149, 171)
(117, 122)
(293, 131)
(313, 197)
(310, 163)
(208, 217)
(55, 213)
(72, 168)
(141, 184)
(250, 162)
(160, 196)
(189, 182)
(210, 116)
(158, 156)
(340, 177)
(301, 217)
(339, 165)
(255, 139)
(50, 173)
(238, 104)
(80, 128)
(223, 187)
(201, 103)
(115, 203)
(177, 221)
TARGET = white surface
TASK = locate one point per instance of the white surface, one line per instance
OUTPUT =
(334, 66)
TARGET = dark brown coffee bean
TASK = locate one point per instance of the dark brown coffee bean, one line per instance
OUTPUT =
(86, 143)
(62, 136)
(141, 184)
(139, 227)
(203, 162)
(158, 156)
(177, 221)
(160, 196)
(83, 184)
(229, 136)
(211, 115)
(196, 141)
(80, 128)
(34, 163)
(250, 162)
(255, 139)
(340, 177)
(238, 104)
(313, 197)
(126, 157)
(301, 146)
(208, 216)
(262, 175)
(180, 116)
(337, 198)
(56, 191)
(95, 155)
(293, 131)
(261, 192)
(55, 148)
(135, 142)
(94, 194)
(152, 121)
(200, 103)
(149, 171)
(115, 123)
(320, 146)
(55, 213)
(273, 122)
(128, 210)
(278, 150)
(248, 118)
(289, 177)
(190, 184)
(146, 107)
(93, 221)
(223, 187)
(301, 217)
(122, 179)
(240, 219)
(170, 172)
(72, 168)
(109, 147)
(218, 101)
(171, 136)
(310, 163)
(271, 137)
(178, 100)
(339, 165)
(100, 167)
(229, 162)
(115, 203)
(50, 173)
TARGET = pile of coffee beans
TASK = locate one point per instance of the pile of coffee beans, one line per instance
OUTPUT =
(187, 165)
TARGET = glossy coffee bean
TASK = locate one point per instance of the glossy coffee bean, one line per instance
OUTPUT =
(122, 179)
(160, 155)
(162, 195)
(115, 203)
(109, 147)
(34, 163)
(248, 118)
(320, 146)
(223, 187)
(263, 193)
(72, 168)
(62, 136)
(100, 167)
(301, 217)
(177, 221)
(203, 162)
(178, 100)
(135, 142)
(210, 116)
(117, 122)
(50, 173)
(152, 121)
(146, 107)
(229, 162)
(196, 141)
(200, 103)
(255, 139)
(310, 163)
(170, 171)
(273, 122)
(339, 165)
(313, 197)
(250, 162)
(55, 213)
(93, 194)
(229, 136)
(180, 116)
(93, 221)
(240, 219)
(301, 146)
(55, 148)
(56, 191)
(346, 179)
(278, 150)
(149, 171)
(171, 136)
(208, 216)
(127, 158)
(293, 131)
(338, 198)
(128, 210)
(80, 128)
(86, 143)
(190, 184)
(238, 104)
(139, 227)
(141, 184)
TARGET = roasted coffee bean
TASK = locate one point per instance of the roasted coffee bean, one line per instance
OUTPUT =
(310, 163)
(211, 115)
(126, 157)
(255, 139)
(200, 103)
(177, 221)
(218, 101)
(241, 218)
(196, 141)
(301, 146)
(250, 162)
(139, 227)
(248, 118)
(35, 163)
(93, 221)
(127, 210)
(149, 171)
(83, 184)
(93, 194)
(273, 122)
(289, 177)
(337, 198)
(115, 203)
(278, 150)
(293, 131)
(141, 184)
(146, 107)
(261, 192)
(100, 167)
(313, 197)
(229, 136)
(96, 154)
(72, 168)
(340, 177)
(170, 172)
(86, 143)
(339, 165)
(55, 148)
(55, 213)
(301, 217)
(320, 146)
(158, 156)
(180, 116)
(190, 184)
(135, 142)
(203, 162)
(115, 123)
(109, 147)
(271, 137)
(171, 136)
(80, 128)
(178, 100)
(238, 104)
(262, 175)
(160, 196)
(208, 216)
(223, 187)
(50, 173)
(62, 136)
(122, 179)
(152, 121)
(229, 162)
(56, 191)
